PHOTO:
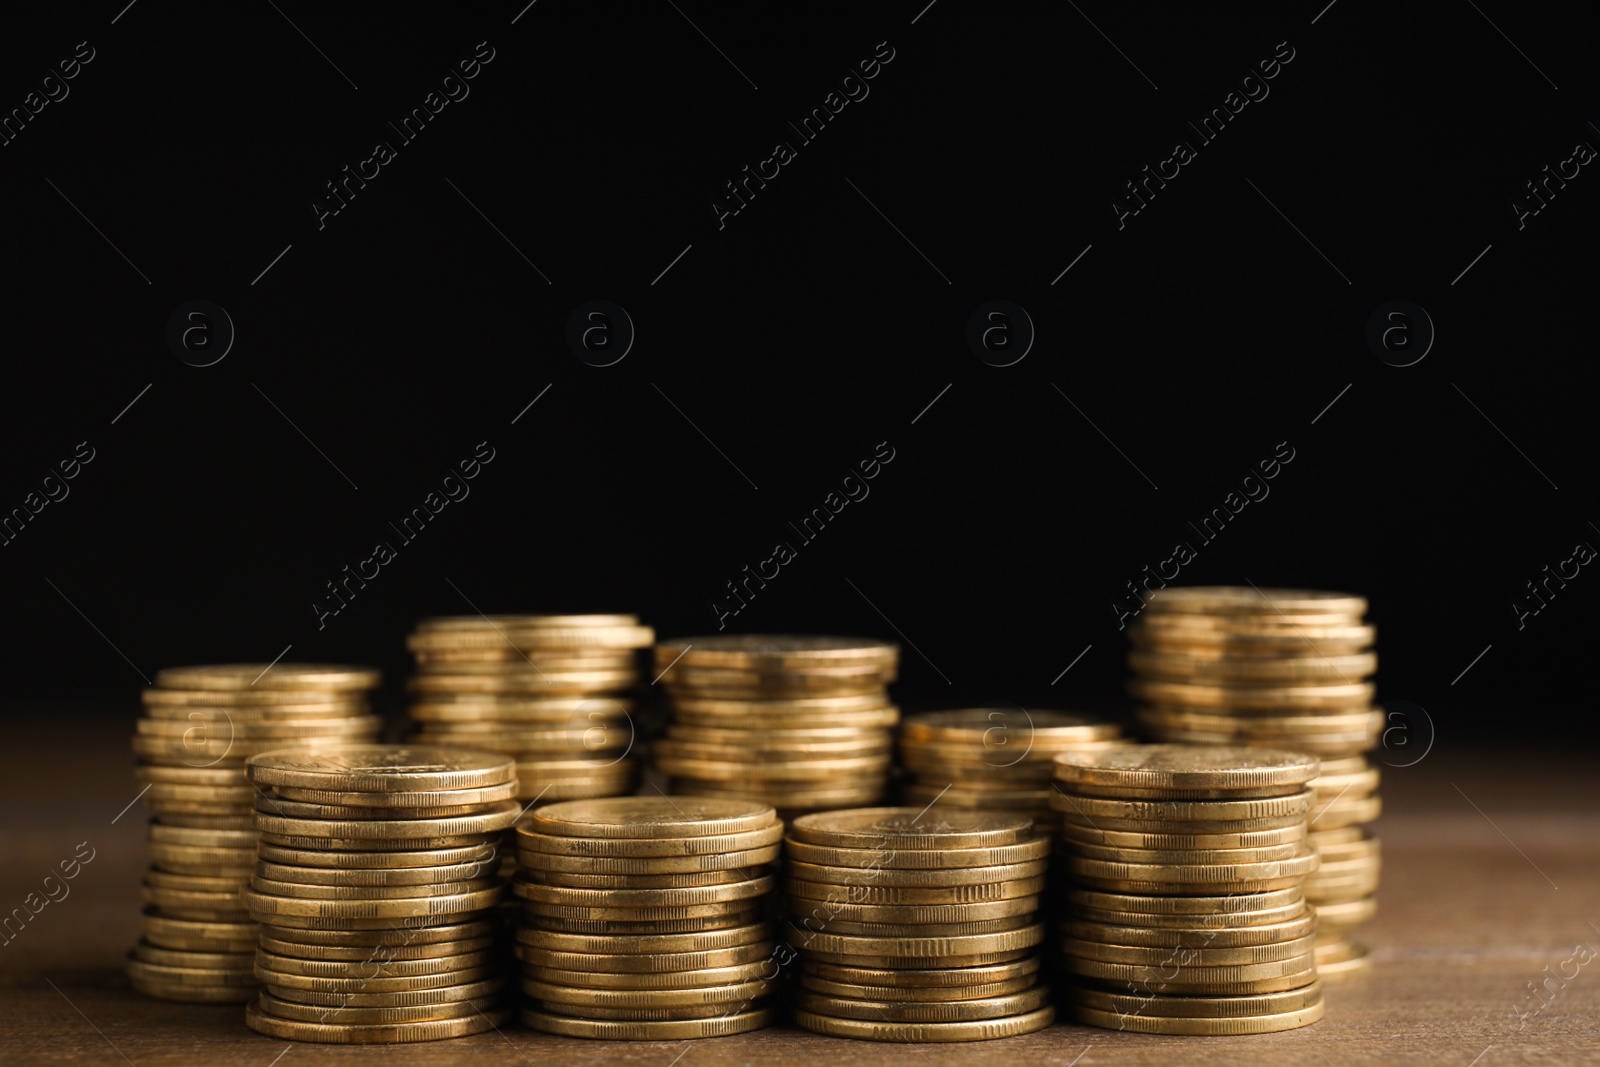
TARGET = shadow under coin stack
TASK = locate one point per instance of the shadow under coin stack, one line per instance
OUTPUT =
(647, 918)
(1187, 915)
(550, 690)
(375, 889)
(1285, 669)
(199, 725)
(803, 723)
(994, 759)
(917, 925)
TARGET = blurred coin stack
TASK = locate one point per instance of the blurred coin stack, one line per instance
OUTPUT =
(916, 924)
(375, 885)
(1188, 914)
(551, 690)
(199, 725)
(994, 759)
(1285, 669)
(647, 918)
(803, 723)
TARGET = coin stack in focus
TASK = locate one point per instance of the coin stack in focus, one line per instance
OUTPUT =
(646, 918)
(375, 885)
(1188, 914)
(916, 924)
(199, 725)
(801, 722)
(1286, 669)
(994, 759)
(549, 689)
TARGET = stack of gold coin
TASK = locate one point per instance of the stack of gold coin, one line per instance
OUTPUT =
(1286, 669)
(199, 726)
(994, 759)
(917, 924)
(375, 883)
(551, 690)
(1187, 913)
(801, 722)
(647, 918)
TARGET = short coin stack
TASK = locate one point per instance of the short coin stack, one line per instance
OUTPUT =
(916, 924)
(994, 759)
(199, 725)
(1187, 915)
(647, 918)
(375, 886)
(1286, 669)
(550, 690)
(801, 722)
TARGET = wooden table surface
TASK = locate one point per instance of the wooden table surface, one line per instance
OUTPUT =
(1491, 874)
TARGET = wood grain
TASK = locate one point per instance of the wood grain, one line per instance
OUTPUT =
(1491, 874)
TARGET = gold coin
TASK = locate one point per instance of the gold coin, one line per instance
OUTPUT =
(231, 796)
(851, 901)
(1345, 914)
(1005, 728)
(1222, 857)
(262, 905)
(306, 676)
(195, 994)
(1232, 600)
(383, 877)
(468, 624)
(1264, 697)
(1345, 812)
(347, 861)
(918, 877)
(1074, 835)
(646, 845)
(891, 858)
(539, 709)
(1160, 1005)
(369, 955)
(311, 1013)
(866, 686)
(255, 714)
(776, 651)
(859, 790)
(498, 816)
(588, 864)
(381, 769)
(786, 737)
(834, 925)
(917, 995)
(771, 770)
(647, 927)
(1144, 904)
(1199, 934)
(992, 800)
(164, 833)
(366, 892)
(691, 978)
(1184, 811)
(1257, 670)
(1219, 636)
(298, 809)
(1185, 767)
(522, 683)
(650, 881)
(976, 1030)
(155, 972)
(396, 934)
(909, 913)
(640, 962)
(917, 978)
(194, 859)
(1074, 819)
(287, 731)
(759, 749)
(652, 898)
(920, 948)
(892, 1011)
(453, 994)
(1153, 1024)
(398, 799)
(168, 932)
(146, 952)
(381, 967)
(909, 828)
(373, 1033)
(715, 997)
(1172, 976)
(703, 941)
(1186, 956)
(357, 980)
(662, 1030)
(257, 697)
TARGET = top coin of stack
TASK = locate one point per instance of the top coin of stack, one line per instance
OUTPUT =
(1188, 915)
(377, 872)
(801, 722)
(1287, 669)
(646, 918)
(917, 925)
(549, 689)
(199, 726)
(995, 759)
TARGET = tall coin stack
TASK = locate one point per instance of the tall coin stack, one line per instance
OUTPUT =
(803, 723)
(647, 918)
(917, 924)
(375, 885)
(551, 690)
(1188, 915)
(994, 759)
(199, 725)
(1286, 669)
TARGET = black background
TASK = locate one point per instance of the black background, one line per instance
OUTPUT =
(801, 334)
